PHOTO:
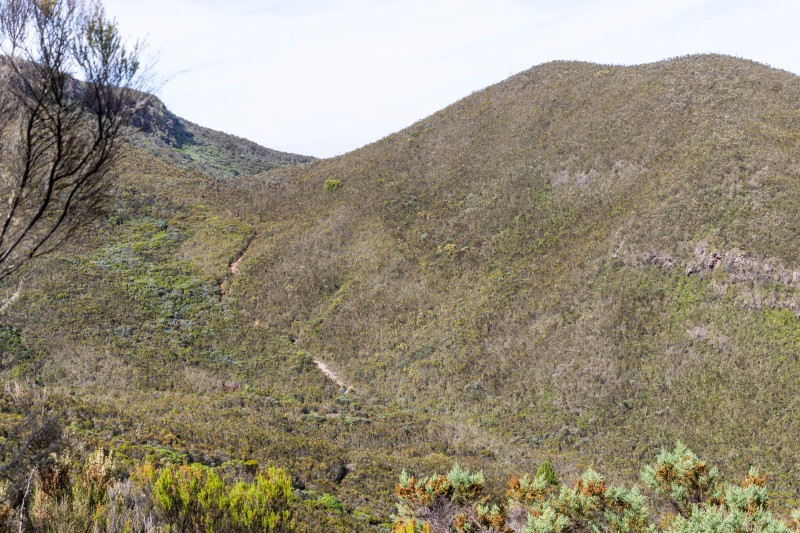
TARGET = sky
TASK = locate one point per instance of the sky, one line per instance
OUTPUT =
(324, 77)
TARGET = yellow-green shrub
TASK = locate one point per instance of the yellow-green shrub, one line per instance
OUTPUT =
(264, 504)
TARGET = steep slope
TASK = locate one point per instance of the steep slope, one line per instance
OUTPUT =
(586, 260)
(218, 154)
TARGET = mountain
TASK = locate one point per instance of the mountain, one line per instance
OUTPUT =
(184, 143)
(584, 263)
(590, 260)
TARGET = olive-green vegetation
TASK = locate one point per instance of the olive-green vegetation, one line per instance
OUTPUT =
(133, 339)
(583, 263)
(98, 494)
(686, 496)
(586, 262)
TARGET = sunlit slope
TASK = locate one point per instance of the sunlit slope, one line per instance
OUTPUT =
(586, 259)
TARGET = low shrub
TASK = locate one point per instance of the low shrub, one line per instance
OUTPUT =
(332, 185)
(705, 503)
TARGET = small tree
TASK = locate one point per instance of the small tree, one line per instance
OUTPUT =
(69, 86)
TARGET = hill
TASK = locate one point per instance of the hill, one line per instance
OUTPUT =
(584, 263)
(587, 260)
(187, 144)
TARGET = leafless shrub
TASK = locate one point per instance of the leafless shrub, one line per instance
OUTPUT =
(69, 86)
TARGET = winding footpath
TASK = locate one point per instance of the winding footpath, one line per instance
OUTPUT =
(325, 369)
(235, 265)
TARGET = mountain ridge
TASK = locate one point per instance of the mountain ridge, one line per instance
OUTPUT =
(502, 212)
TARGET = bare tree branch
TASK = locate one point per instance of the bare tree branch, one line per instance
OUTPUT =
(69, 86)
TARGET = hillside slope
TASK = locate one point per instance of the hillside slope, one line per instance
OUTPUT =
(583, 263)
(593, 261)
(187, 144)
(134, 336)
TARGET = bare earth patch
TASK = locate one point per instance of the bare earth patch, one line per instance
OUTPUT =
(331, 375)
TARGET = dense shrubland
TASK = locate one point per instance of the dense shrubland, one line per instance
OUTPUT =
(98, 494)
(103, 491)
(684, 495)
(587, 261)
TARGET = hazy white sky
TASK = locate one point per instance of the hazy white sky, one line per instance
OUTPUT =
(323, 77)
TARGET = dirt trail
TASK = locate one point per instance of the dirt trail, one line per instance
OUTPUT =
(235, 264)
(331, 375)
(234, 267)
(325, 369)
(238, 261)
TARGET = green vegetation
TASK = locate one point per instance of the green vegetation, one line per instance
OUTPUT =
(99, 494)
(583, 264)
(330, 502)
(678, 479)
(214, 153)
(332, 185)
(546, 472)
(106, 492)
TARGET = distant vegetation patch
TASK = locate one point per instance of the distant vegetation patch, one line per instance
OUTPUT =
(333, 185)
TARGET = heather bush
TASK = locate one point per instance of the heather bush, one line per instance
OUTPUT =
(264, 504)
(190, 497)
(69, 495)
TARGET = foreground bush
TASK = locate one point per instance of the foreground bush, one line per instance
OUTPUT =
(696, 500)
(93, 495)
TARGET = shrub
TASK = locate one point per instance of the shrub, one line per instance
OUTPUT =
(684, 478)
(196, 497)
(68, 495)
(546, 471)
(330, 502)
(705, 502)
(333, 185)
(439, 501)
(264, 505)
(190, 497)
